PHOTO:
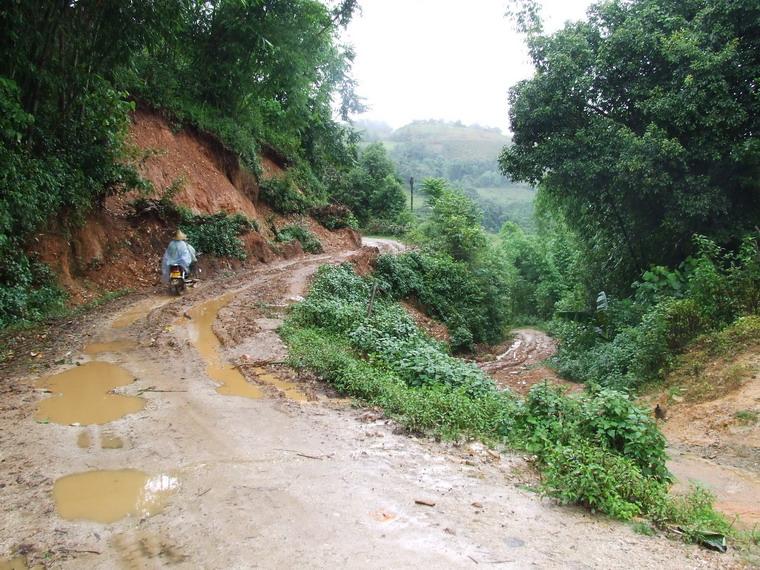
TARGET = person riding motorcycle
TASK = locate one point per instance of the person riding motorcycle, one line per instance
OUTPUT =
(179, 252)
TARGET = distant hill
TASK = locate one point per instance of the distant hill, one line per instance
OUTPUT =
(453, 141)
(466, 155)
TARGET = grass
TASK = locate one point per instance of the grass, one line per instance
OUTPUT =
(747, 417)
(711, 366)
(51, 318)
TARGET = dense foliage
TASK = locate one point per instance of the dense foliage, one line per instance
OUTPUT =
(217, 234)
(458, 277)
(599, 449)
(294, 232)
(254, 74)
(640, 127)
(371, 189)
(631, 341)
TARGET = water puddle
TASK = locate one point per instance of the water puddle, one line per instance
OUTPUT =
(233, 383)
(107, 496)
(84, 396)
(736, 490)
(111, 346)
(84, 441)
(289, 389)
(17, 563)
(138, 311)
(108, 441)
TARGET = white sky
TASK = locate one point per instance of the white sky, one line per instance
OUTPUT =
(443, 59)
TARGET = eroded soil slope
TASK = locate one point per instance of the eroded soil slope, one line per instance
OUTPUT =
(115, 250)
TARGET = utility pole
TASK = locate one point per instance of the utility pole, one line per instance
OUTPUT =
(411, 187)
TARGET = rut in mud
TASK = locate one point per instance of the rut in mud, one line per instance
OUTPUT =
(290, 477)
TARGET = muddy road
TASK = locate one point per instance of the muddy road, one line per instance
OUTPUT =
(205, 451)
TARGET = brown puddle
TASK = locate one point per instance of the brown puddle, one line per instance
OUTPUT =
(112, 346)
(107, 496)
(84, 440)
(138, 311)
(232, 382)
(288, 388)
(84, 395)
(736, 490)
(17, 563)
(108, 441)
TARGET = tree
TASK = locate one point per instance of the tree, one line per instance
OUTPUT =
(371, 189)
(455, 223)
(640, 125)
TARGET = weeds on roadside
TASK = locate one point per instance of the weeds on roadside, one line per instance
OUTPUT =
(597, 450)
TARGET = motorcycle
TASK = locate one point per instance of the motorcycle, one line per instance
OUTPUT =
(177, 279)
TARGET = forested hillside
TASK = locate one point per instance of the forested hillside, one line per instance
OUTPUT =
(257, 77)
(638, 129)
(466, 155)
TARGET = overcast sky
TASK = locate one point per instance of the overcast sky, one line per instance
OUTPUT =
(443, 59)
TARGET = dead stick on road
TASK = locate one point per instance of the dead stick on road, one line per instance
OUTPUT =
(306, 455)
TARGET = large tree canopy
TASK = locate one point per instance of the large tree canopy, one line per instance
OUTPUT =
(641, 126)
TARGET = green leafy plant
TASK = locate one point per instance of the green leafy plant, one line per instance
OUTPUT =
(217, 234)
(281, 193)
(307, 239)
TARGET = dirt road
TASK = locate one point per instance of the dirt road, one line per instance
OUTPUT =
(520, 362)
(285, 475)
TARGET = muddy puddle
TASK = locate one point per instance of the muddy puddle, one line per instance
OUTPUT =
(232, 382)
(113, 346)
(737, 491)
(289, 389)
(108, 496)
(138, 311)
(17, 563)
(83, 395)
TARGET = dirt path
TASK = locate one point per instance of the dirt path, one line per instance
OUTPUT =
(270, 479)
(519, 363)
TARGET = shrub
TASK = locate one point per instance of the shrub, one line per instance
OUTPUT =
(282, 195)
(334, 217)
(597, 450)
(29, 291)
(583, 473)
(472, 301)
(217, 234)
(308, 240)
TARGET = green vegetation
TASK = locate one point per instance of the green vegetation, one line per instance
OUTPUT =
(373, 192)
(335, 217)
(639, 128)
(308, 240)
(458, 277)
(282, 194)
(464, 155)
(598, 449)
(217, 234)
(253, 74)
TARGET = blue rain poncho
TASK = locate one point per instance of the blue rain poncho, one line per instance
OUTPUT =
(179, 253)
